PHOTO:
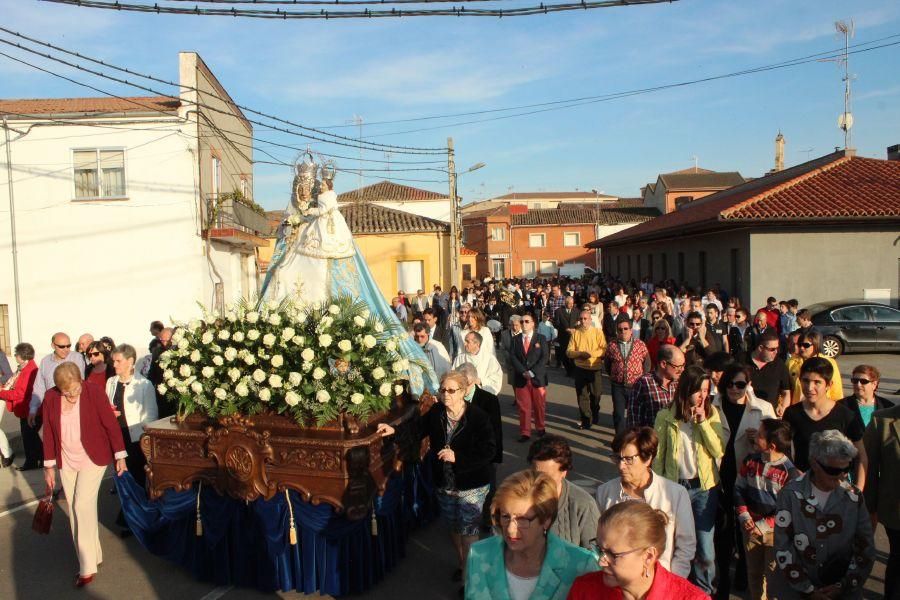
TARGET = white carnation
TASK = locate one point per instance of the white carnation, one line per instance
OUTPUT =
(207, 337)
(288, 333)
(162, 389)
(318, 374)
(238, 337)
(197, 387)
(253, 335)
(231, 316)
(195, 356)
(398, 389)
(224, 334)
(259, 376)
(323, 396)
(218, 361)
(277, 360)
(168, 374)
(324, 340)
(292, 398)
(360, 322)
(397, 366)
(220, 393)
(269, 340)
(298, 340)
(345, 345)
(357, 398)
(369, 341)
(230, 354)
(333, 309)
(385, 389)
(265, 394)
(390, 345)
(241, 390)
(234, 374)
(252, 317)
(378, 373)
(294, 377)
(275, 381)
(275, 319)
(249, 359)
(185, 370)
(308, 354)
(207, 372)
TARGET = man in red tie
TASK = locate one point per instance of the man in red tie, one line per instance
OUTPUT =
(529, 355)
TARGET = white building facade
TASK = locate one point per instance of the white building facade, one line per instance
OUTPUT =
(123, 211)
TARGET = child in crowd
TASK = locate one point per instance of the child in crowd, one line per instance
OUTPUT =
(762, 476)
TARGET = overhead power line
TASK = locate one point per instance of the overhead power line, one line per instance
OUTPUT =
(326, 2)
(461, 11)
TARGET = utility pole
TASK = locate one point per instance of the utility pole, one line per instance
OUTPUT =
(12, 227)
(846, 120)
(454, 215)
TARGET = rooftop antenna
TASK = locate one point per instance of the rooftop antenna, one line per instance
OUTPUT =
(357, 120)
(845, 120)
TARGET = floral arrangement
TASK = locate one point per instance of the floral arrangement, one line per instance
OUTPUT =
(311, 363)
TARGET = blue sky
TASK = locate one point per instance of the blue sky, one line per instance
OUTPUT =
(323, 73)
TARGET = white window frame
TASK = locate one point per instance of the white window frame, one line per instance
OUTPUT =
(501, 273)
(555, 267)
(532, 236)
(498, 234)
(577, 235)
(97, 150)
(531, 271)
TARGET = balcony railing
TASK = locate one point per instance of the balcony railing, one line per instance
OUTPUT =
(223, 212)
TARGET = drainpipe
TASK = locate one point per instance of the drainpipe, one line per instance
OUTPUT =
(12, 227)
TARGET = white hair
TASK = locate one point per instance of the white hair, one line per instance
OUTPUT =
(831, 443)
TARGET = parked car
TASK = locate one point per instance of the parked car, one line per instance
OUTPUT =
(856, 326)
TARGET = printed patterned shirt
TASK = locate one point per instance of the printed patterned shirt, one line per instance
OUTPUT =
(648, 397)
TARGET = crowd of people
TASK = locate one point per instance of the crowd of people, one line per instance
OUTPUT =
(742, 465)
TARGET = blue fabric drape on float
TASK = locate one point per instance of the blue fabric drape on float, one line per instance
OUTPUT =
(248, 545)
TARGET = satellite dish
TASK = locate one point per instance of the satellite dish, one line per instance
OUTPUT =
(845, 121)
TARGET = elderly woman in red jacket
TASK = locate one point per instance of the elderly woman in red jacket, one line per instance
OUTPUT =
(16, 393)
(81, 437)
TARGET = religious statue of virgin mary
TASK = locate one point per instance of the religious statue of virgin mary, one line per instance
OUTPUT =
(315, 259)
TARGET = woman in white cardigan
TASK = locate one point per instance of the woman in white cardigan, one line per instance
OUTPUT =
(134, 402)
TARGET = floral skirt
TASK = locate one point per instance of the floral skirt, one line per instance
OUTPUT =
(461, 509)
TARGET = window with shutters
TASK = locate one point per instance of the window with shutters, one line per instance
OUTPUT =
(99, 173)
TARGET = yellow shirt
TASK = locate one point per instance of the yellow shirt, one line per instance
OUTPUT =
(590, 340)
(835, 392)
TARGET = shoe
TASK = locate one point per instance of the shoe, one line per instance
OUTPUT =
(457, 576)
(28, 467)
(523, 439)
(541, 433)
(582, 426)
(82, 581)
(595, 420)
(7, 462)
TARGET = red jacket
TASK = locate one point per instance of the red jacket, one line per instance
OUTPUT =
(666, 586)
(100, 432)
(19, 397)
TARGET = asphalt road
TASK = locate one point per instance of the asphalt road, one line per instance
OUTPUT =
(33, 566)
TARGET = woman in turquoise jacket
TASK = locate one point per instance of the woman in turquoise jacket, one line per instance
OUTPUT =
(526, 561)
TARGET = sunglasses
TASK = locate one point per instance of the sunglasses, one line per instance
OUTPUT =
(623, 328)
(448, 390)
(833, 471)
(737, 384)
(805, 345)
(861, 380)
(93, 354)
(693, 325)
(63, 345)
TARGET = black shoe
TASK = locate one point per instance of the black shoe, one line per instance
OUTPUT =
(541, 433)
(595, 420)
(7, 462)
(523, 439)
(28, 467)
(582, 426)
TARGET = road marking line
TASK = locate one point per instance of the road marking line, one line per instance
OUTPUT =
(218, 592)
(20, 507)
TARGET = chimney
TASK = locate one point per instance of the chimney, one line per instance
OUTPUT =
(894, 152)
(779, 153)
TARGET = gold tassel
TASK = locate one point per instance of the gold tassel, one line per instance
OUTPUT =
(199, 526)
(374, 524)
(292, 532)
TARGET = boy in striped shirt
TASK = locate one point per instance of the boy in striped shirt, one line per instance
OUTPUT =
(761, 477)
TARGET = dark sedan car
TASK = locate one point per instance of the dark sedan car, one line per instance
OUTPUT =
(856, 326)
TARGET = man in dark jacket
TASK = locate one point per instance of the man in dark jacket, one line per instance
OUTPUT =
(565, 320)
(437, 331)
(611, 319)
(528, 359)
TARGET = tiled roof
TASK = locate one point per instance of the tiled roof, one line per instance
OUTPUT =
(567, 216)
(372, 218)
(487, 212)
(58, 106)
(467, 251)
(700, 180)
(548, 195)
(390, 191)
(834, 187)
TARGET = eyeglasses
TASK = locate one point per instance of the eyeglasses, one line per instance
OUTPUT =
(805, 345)
(770, 348)
(623, 328)
(448, 390)
(62, 346)
(521, 522)
(737, 384)
(674, 366)
(628, 460)
(861, 380)
(93, 354)
(609, 556)
(833, 471)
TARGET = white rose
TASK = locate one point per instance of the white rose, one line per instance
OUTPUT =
(298, 340)
(207, 337)
(318, 374)
(269, 340)
(218, 361)
(252, 317)
(326, 322)
(398, 389)
(294, 377)
(265, 394)
(241, 390)
(277, 360)
(224, 334)
(238, 336)
(275, 381)
(207, 372)
(230, 354)
(357, 398)
(385, 389)
(397, 367)
(234, 374)
(275, 319)
(323, 396)
(324, 340)
(390, 345)
(195, 356)
(172, 383)
(177, 336)
(162, 389)
(259, 376)
(231, 316)
(288, 333)
(197, 387)
(292, 398)
(378, 373)
(220, 393)
(184, 344)
(184, 370)
(168, 374)
(253, 335)
(181, 390)
(345, 345)
(360, 322)
(249, 359)
(308, 354)
(333, 309)
(369, 341)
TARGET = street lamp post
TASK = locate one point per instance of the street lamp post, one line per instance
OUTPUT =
(455, 224)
